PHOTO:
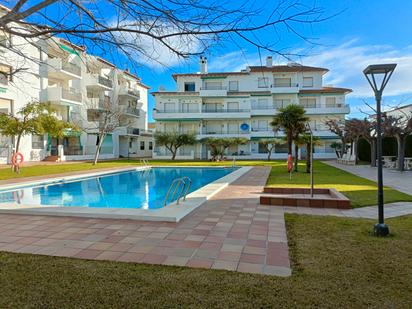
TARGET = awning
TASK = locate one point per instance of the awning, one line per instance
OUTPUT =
(68, 49)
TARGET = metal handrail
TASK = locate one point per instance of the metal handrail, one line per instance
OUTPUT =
(176, 184)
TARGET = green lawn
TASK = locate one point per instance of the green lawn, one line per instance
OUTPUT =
(336, 264)
(362, 192)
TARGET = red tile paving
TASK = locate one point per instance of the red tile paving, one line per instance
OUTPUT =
(231, 231)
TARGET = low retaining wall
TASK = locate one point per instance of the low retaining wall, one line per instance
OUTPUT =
(285, 197)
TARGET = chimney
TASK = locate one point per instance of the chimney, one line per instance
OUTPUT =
(269, 61)
(203, 65)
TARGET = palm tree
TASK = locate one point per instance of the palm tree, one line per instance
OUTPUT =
(290, 119)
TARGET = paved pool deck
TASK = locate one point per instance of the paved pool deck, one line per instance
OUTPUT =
(230, 231)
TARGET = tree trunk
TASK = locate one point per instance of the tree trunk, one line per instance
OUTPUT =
(296, 157)
(269, 153)
(174, 152)
(18, 143)
(401, 152)
(289, 141)
(373, 152)
(355, 145)
(308, 156)
(102, 135)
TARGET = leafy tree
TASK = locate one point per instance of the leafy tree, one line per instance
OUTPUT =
(270, 143)
(173, 140)
(219, 145)
(290, 119)
(33, 118)
(400, 127)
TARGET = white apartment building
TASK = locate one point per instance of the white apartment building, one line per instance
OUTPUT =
(242, 104)
(78, 86)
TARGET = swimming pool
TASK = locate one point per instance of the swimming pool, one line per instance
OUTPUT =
(143, 189)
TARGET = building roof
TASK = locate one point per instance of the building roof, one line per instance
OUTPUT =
(287, 69)
(326, 90)
(256, 69)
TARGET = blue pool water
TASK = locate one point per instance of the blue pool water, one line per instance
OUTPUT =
(134, 189)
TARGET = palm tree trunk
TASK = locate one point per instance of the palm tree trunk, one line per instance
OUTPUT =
(296, 157)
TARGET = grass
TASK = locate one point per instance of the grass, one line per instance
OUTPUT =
(360, 191)
(336, 264)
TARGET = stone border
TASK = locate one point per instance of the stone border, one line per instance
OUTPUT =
(170, 213)
(277, 197)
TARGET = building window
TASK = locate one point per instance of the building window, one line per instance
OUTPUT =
(330, 101)
(210, 85)
(190, 87)
(233, 85)
(263, 82)
(150, 145)
(5, 74)
(279, 103)
(308, 102)
(308, 82)
(37, 142)
(130, 143)
(282, 82)
(142, 145)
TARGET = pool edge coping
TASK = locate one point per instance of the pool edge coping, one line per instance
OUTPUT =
(170, 213)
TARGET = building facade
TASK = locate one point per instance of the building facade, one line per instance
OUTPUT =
(79, 86)
(242, 104)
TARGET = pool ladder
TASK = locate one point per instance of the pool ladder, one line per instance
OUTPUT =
(144, 162)
(180, 186)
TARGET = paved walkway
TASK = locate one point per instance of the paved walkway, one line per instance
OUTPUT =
(401, 181)
(231, 231)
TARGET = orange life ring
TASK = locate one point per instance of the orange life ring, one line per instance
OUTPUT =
(15, 157)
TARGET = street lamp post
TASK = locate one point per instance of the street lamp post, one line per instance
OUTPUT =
(382, 72)
(310, 153)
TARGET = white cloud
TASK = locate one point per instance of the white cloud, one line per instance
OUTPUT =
(345, 62)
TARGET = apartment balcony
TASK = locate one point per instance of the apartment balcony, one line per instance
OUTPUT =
(328, 109)
(98, 103)
(98, 82)
(202, 114)
(60, 69)
(263, 132)
(266, 110)
(60, 94)
(223, 133)
(132, 131)
(146, 132)
(213, 92)
(130, 111)
(284, 88)
(125, 91)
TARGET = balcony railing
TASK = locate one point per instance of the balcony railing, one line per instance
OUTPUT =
(98, 103)
(71, 95)
(223, 131)
(132, 111)
(213, 88)
(262, 129)
(72, 68)
(225, 110)
(105, 81)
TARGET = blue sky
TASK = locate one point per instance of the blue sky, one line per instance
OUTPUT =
(347, 43)
(365, 32)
